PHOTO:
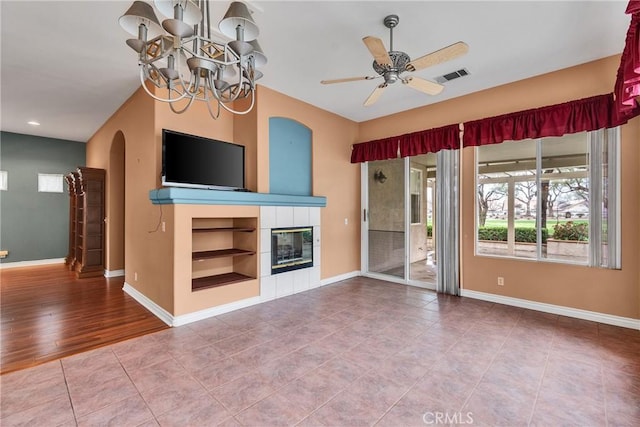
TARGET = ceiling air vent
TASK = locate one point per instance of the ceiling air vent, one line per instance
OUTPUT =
(452, 76)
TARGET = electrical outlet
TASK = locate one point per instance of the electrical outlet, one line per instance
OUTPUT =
(346, 221)
(135, 277)
(500, 281)
(163, 226)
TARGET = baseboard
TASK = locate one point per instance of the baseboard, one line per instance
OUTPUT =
(184, 319)
(154, 308)
(609, 319)
(214, 311)
(113, 273)
(339, 278)
(31, 263)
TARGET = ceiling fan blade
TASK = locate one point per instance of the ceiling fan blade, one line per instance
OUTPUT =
(375, 95)
(443, 55)
(426, 86)
(348, 79)
(377, 49)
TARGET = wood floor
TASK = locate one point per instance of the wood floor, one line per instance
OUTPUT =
(48, 314)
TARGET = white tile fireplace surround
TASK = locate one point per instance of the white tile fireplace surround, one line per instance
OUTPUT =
(290, 282)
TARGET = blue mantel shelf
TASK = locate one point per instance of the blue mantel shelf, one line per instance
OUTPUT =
(192, 196)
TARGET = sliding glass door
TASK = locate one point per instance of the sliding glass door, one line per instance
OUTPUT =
(422, 180)
(399, 220)
(385, 218)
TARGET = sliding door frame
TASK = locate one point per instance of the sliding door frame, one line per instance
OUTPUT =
(364, 229)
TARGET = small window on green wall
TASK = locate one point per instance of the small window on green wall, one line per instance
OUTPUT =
(3, 181)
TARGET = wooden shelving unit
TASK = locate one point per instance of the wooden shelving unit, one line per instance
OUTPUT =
(218, 280)
(223, 251)
(86, 222)
(220, 253)
(223, 229)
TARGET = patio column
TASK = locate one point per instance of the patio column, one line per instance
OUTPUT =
(511, 213)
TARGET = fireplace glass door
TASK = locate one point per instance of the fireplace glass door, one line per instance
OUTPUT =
(291, 249)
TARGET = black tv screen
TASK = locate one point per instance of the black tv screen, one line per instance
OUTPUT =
(193, 161)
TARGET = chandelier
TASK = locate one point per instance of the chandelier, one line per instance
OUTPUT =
(190, 66)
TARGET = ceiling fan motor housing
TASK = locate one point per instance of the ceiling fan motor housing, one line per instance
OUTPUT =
(399, 61)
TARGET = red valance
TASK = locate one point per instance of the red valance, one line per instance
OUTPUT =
(555, 120)
(381, 149)
(627, 88)
(430, 141)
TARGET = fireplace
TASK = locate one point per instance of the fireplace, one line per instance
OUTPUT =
(291, 249)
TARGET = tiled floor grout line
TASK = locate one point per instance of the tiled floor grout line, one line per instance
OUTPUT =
(379, 324)
(604, 382)
(256, 370)
(356, 379)
(66, 384)
(418, 379)
(495, 354)
(136, 387)
(544, 372)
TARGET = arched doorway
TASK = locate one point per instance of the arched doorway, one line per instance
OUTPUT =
(114, 263)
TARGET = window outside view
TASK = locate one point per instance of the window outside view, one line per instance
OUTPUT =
(533, 199)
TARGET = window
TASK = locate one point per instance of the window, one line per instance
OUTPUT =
(415, 187)
(550, 199)
(50, 183)
(4, 186)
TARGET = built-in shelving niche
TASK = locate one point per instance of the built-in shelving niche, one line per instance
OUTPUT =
(223, 251)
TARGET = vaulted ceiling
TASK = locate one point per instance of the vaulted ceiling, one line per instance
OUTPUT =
(65, 63)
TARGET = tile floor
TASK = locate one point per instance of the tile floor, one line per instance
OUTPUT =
(356, 353)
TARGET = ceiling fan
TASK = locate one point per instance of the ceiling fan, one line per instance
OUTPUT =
(392, 64)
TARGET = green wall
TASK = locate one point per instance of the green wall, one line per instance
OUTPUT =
(33, 225)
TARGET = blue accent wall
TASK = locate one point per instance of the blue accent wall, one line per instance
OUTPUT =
(35, 225)
(289, 157)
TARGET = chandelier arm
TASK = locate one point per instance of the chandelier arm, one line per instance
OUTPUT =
(232, 111)
(241, 80)
(185, 88)
(169, 100)
(213, 116)
(184, 109)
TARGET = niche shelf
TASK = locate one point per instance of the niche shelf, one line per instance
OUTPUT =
(223, 252)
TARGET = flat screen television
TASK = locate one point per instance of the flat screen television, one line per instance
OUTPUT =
(196, 162)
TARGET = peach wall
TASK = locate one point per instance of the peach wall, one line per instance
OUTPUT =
(187, 301)
(333, 175)
(156, 260)
(615, 292)
(115, 210)
(144, 243)
(593, 78)
(245, 132)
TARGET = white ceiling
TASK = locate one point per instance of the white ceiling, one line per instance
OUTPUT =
(66, 65)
